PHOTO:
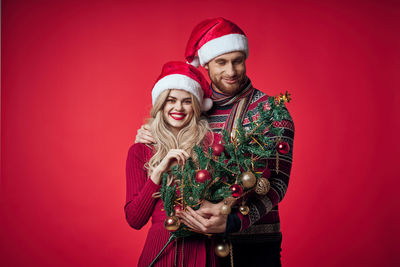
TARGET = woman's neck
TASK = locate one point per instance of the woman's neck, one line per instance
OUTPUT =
(175, 131)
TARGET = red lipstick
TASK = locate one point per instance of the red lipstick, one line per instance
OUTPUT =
(177, 116)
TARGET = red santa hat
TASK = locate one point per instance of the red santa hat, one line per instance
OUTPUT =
(212, 38)
(182, 76)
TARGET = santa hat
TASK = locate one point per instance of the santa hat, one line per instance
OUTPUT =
(212, 38)
(182, 76)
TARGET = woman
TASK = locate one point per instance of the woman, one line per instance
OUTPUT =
(176, 125)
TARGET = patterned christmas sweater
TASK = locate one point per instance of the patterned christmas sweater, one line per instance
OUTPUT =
(263, 217)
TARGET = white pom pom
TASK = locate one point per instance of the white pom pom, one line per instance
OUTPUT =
(195, 62)
(207, 104)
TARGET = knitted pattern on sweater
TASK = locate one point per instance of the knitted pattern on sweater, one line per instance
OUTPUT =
(263, 217)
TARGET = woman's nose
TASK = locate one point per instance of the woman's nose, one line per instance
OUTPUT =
(178, 105)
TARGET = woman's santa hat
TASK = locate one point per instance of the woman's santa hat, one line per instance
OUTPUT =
(182, 76)
(212, 38)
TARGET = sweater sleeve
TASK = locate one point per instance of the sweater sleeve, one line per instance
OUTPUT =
(139, 189)
(260, 205)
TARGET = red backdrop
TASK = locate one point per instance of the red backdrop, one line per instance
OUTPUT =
(76, 79)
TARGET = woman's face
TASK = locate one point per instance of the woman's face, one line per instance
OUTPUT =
(178, 109)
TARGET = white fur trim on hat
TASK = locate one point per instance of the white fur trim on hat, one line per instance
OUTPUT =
(207, 104)
(195, 62)
(177, 81)
(221, 45)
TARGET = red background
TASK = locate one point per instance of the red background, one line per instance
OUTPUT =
(76, 80)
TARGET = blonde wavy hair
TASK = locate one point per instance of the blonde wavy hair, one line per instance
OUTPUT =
(194, 133)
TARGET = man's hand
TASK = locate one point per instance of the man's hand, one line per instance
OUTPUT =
(208, 219)
(144, 135)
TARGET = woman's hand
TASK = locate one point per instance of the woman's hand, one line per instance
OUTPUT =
(174, 155)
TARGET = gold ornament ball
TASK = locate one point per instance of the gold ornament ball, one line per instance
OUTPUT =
(225, 209)
(222, 250)
(248, 179)
(244, 210)
(263, 186)
(172, 223)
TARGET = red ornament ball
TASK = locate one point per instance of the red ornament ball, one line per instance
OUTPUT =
(177, 208)
(266, 173)
(283, 147)
(218, 149)
(178, 192)
(202, 176)
(237, 190)
(172, 223)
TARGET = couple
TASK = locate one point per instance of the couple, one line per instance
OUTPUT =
(179, 96)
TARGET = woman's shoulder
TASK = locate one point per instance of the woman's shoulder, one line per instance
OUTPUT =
(141, 151)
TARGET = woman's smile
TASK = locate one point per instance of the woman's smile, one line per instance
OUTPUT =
(177, 115)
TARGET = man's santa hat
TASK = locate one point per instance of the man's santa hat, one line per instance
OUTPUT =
(212, 38)
(182, 76)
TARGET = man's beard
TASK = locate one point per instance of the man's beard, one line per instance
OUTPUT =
(232, 90)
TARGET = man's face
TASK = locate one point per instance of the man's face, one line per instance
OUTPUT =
(228, 72)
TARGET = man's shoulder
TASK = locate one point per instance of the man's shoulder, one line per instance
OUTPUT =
(259, 97)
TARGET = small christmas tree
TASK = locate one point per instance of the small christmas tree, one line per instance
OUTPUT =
(229, 169)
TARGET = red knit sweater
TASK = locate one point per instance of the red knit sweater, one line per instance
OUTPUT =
(140, 206)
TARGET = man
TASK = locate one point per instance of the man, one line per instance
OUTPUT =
(221, 48)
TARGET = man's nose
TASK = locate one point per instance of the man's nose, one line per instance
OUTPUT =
(230, 69)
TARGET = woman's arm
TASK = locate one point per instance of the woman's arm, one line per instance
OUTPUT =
(139, 189)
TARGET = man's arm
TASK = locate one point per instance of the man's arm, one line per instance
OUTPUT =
(260, 205)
